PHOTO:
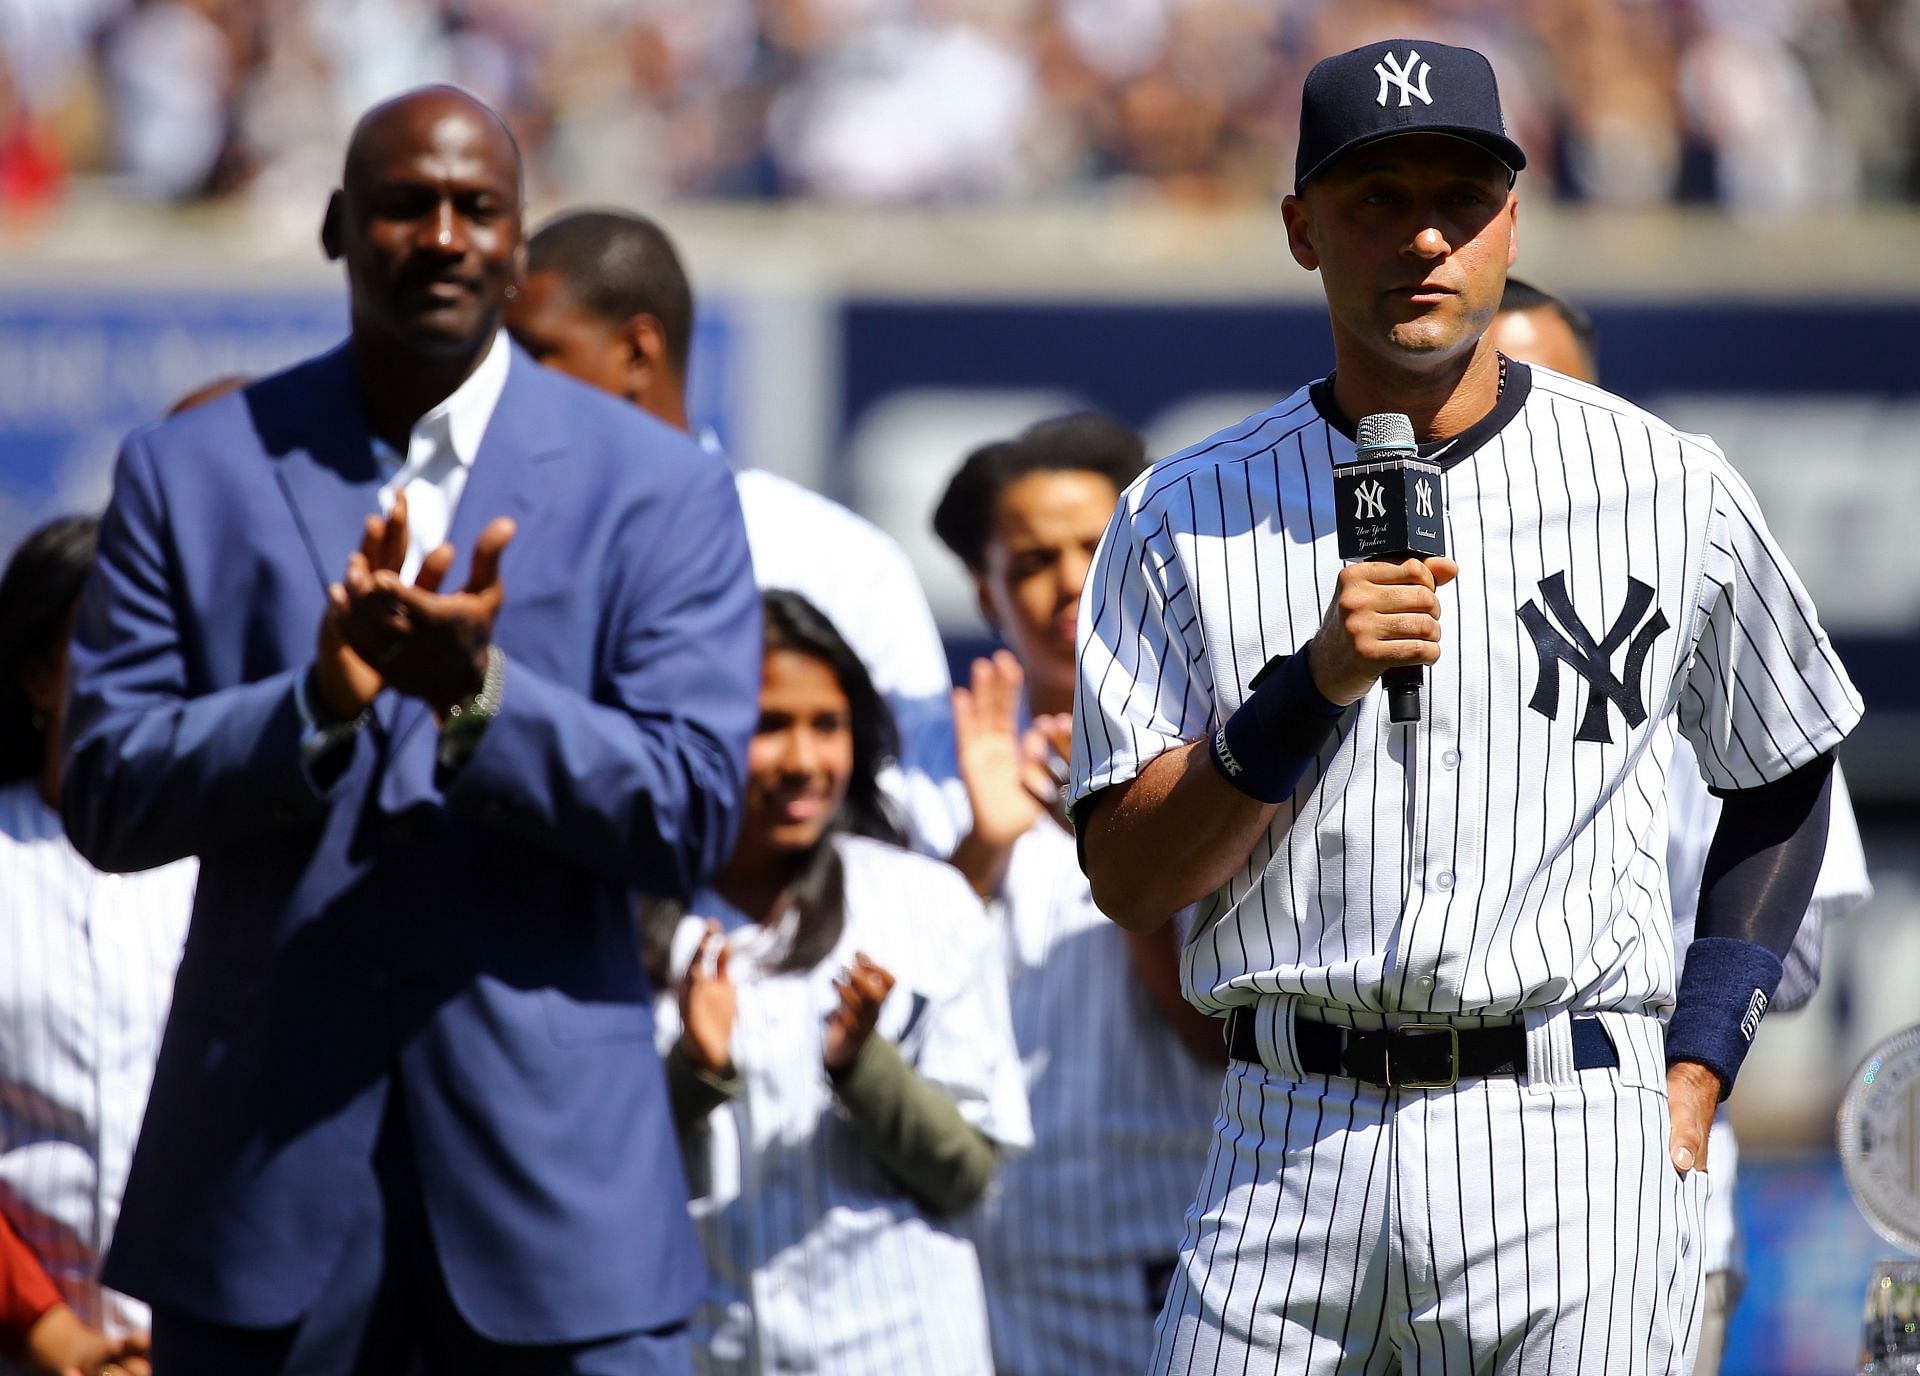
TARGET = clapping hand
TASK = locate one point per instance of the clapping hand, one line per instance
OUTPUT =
(707, 1005)
(862, 988)
(1011, 776)
(357, 635)
(424, 643)
(60, 1344)
(1008, 775)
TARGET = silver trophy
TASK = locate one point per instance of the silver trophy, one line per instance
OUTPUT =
(1880, 1151)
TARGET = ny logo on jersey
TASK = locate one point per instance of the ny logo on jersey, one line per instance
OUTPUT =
(1404, 75)
(1423, 498)
(1572, 643)
(1369, 500)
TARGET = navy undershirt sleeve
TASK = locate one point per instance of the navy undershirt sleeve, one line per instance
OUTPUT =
(1761, 870)
(1765, 859)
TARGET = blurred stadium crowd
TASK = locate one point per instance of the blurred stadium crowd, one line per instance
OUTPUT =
(1753, 105)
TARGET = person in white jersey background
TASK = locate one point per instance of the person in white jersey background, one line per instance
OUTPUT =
(840, 1052)
(1455, 1132)
(1547, 331)
(1079, 1236)
(607, 301)
(86, 978)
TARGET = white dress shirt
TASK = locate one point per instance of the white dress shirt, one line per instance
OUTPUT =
(440, 452)
(86, 977)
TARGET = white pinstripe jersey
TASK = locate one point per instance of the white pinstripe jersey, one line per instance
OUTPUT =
(86, 976)
(820, 1262)
(1617, 582)
(1122, 1112)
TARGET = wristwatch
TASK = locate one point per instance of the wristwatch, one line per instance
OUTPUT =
(467, 722)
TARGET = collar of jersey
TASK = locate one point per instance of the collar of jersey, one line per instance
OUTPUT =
(1448, 452)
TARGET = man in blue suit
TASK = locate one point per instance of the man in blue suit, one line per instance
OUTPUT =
(407, 1114)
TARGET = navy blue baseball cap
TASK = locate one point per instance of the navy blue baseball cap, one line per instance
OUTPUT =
(1401, 86)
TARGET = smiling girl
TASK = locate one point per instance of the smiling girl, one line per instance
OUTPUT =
(840, 1051)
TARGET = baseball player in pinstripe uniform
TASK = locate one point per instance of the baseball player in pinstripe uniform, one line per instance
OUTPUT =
(1536, 327)
(1454, 1136)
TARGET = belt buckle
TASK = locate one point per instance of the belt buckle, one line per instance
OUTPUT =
(1425, 1029)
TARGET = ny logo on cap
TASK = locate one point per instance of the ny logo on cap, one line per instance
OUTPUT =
(1404, 75)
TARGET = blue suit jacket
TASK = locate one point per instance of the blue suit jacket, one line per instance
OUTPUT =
(465, 943)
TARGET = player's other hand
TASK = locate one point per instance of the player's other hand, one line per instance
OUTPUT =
(708, 1005)
(1382, 616)
(862, 988)
(1693, 1092)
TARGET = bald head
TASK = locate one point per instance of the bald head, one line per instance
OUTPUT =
(427, 221)
(415, 116)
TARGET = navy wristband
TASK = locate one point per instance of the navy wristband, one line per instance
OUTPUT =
(1267, 744)
(1724, 992)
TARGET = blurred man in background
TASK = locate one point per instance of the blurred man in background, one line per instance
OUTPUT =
(403, 1111)
(607, 301)
(1536, 327)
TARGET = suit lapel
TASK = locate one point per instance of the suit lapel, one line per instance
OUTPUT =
(510, 477)
(329, 478)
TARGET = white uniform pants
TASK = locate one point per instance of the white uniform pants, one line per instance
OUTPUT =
(1501, 1226)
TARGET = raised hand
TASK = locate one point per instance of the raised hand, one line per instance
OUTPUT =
(708, 1005)
(862, 988)
(441, 655)
(1008, 783)
(356, 633)
(1011, 777)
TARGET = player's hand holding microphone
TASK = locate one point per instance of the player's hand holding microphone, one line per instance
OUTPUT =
(1384, 619)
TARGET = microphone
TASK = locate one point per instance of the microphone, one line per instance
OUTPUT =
(1390, 506)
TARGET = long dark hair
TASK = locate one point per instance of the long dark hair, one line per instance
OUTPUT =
(819, 890)
(794, 624)
(37, 593)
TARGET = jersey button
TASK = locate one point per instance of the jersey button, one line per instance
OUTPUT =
(1426, 981)
(1450, 759)
(1443, 880)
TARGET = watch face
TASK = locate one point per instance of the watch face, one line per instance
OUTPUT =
(1880, 1138)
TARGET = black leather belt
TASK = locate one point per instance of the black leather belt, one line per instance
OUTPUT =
(1420, 1055)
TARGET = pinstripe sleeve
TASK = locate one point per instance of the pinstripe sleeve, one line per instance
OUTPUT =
(1765, 692)
(1142, 685)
